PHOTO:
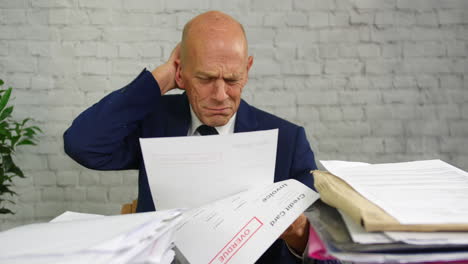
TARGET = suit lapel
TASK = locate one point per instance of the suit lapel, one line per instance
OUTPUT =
(179, 119)
(246, 120)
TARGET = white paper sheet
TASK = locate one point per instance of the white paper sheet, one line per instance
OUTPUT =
(418, 192)
(186, 172)
(359, 235)
(430, 238)
(239, 229)
(73, 216)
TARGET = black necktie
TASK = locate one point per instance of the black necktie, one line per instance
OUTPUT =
(205, 130)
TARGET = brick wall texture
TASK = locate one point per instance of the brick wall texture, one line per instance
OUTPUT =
(370, 80)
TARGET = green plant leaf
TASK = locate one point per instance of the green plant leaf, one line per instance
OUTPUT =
(29, 132)
(6, 113)
(4, 125)
(17, 171)
(10, 167)
(5, 132)
(2, 173)
(12, 134)
(14, 139)
(7, 162)
(5, 188)
(32, 130)
(9, 177)
(5, 149)
(36, 128)
(26, 142)
(17, 128)
(5, 98)
(4, 210)
(25, 121)
(1, 82)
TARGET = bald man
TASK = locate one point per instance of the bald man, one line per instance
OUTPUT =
(211, 64)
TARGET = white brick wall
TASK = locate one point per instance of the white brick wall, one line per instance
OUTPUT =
(370, 80)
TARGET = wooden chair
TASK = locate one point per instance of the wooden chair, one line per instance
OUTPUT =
(129, 208)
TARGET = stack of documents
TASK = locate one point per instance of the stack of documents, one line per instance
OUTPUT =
(236, 229)
(83, 238)
(392, 212)
(235, 212)
(428, 195)
(332, 238)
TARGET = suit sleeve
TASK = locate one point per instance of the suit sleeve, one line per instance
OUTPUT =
(303, 161)
(105, 136)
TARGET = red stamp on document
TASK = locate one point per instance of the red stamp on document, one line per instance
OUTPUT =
(237, 242)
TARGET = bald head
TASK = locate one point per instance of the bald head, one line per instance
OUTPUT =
(212, 28)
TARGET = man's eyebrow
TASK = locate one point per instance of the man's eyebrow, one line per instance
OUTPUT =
(233, 76)
(206, 74)
(230, 76)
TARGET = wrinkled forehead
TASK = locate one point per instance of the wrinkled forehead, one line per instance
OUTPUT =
(229, 55)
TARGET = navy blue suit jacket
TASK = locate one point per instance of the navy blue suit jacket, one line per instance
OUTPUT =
(105, 137)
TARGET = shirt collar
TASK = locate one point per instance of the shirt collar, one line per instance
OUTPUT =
(222, 130)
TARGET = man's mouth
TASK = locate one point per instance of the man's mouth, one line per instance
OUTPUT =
(218, 110)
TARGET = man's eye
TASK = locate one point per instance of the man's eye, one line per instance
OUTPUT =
(204, 79)
(232, 81)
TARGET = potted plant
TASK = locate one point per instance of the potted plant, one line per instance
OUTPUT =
(12, 135)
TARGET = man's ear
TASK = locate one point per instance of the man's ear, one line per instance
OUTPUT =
(249, 65)
(249, 62)
(178, 75)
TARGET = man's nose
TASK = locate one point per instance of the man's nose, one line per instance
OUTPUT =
(220, 90)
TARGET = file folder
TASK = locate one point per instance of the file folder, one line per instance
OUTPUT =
(337, 193)
(333, 233)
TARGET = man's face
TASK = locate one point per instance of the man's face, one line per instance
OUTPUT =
(213, 76)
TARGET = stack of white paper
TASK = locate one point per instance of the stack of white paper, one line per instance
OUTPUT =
(361, 236)
(236, 213)
(81, 238)
(417, 192)
(237, 229)
(427, 192)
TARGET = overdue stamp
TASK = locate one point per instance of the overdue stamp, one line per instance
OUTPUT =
(237, 242)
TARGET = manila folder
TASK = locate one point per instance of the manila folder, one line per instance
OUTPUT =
(337, 193)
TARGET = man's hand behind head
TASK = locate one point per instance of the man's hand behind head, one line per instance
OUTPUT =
(165, 73)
